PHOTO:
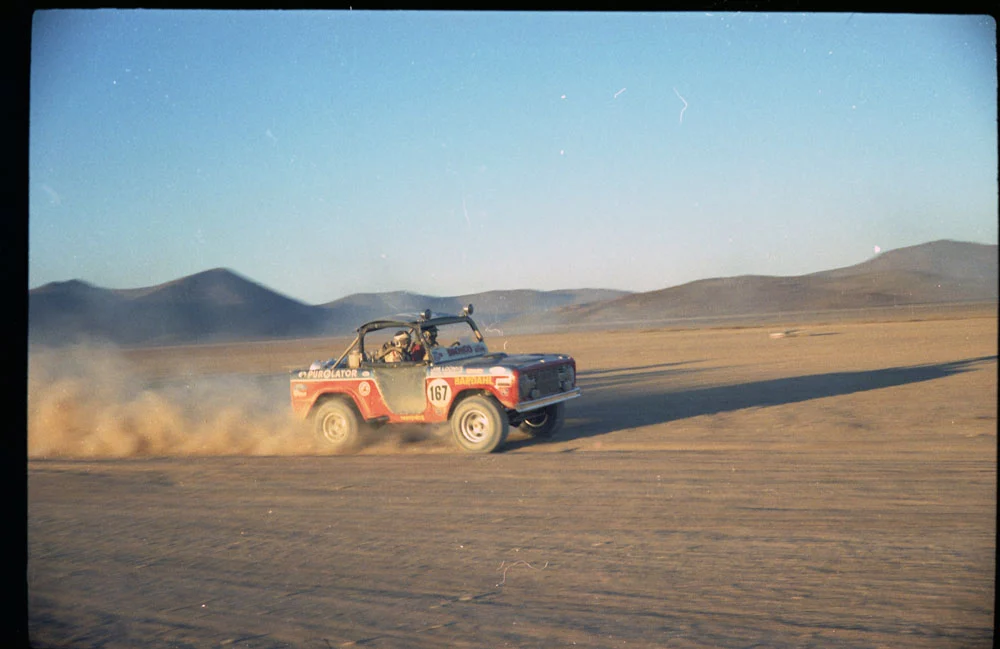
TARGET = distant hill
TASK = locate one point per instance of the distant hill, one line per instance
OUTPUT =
(936, 272)
(975, 264)
(490, 306)
(219, 305)
(215, 305)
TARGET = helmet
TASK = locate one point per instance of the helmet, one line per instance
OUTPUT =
(431, 334)
(401, 339)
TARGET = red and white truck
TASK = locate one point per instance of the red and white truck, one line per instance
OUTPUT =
(396, 372)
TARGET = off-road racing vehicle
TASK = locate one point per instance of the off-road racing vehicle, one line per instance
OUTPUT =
(396, 372)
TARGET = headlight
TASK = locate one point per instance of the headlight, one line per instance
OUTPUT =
(526, 386)
(567, 377)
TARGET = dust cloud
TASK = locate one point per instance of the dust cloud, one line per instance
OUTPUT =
(88, 401)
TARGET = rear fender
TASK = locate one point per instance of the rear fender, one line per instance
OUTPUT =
(334, 396)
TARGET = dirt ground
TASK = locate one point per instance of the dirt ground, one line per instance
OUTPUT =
(829, 486)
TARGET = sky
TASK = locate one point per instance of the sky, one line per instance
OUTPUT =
(326, 153)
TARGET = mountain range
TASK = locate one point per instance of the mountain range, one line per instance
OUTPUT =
(940, 272)
(219, 305)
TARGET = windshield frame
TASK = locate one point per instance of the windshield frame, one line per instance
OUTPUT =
(416, 326)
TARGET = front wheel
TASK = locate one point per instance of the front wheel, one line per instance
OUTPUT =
(337, 425)
(545, 422)
(479, 425)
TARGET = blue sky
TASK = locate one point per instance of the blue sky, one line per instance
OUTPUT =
(329, 153)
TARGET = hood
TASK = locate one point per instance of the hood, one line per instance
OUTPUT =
(510, 361)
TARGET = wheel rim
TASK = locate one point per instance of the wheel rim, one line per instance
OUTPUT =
(537, 421)
(335, 428)
(474, 426)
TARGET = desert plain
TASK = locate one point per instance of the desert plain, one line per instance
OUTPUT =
(829, 484)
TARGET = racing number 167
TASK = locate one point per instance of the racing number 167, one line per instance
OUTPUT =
(439, 392)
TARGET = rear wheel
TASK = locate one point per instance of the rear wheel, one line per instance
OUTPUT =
(544, 422)
(479, 425)
(337, 425)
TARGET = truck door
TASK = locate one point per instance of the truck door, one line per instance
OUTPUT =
(402, 387)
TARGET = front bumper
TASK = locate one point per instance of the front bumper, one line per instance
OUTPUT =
(528, 406)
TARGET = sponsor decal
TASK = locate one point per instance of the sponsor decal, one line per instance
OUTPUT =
(438, 392)
(461, 350)
(474, 370)
(449, 369)
(504, 381)
(498, 370)
(365, 388)
(366, 373)
(411, 418)
(329, 374)
(473, 380)
(299, 390)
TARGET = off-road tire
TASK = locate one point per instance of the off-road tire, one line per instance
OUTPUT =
(544, 422)
(337, 425)
(479, 425)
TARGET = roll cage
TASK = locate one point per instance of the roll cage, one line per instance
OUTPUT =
(414, 322)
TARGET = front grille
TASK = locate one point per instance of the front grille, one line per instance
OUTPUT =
(546, 386)
(547, 381)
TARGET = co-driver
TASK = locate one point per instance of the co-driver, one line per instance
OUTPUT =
(429, 339)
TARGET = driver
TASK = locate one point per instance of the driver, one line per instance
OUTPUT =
(420, 347)
(395, 350)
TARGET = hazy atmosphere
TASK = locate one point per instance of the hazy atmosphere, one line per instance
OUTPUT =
(328, 153)
(731, 379)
